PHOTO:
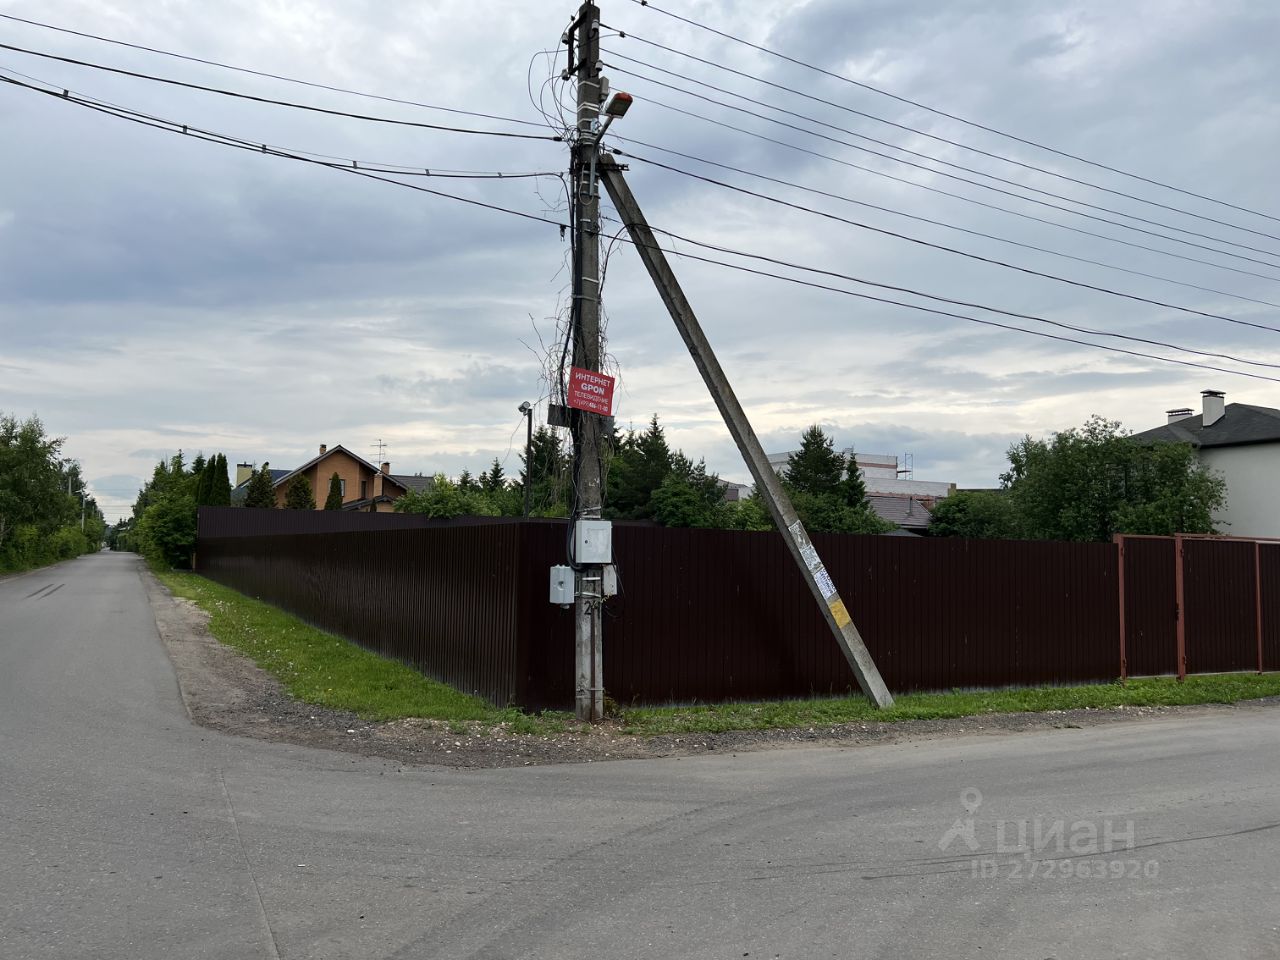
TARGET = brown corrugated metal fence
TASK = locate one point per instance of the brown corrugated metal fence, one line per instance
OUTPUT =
(703, 614)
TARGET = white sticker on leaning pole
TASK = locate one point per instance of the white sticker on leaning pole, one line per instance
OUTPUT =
(827, 588)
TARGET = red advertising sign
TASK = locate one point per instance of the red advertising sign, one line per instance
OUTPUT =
(590, 391)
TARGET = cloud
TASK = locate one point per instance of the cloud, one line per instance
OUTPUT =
(163, 293)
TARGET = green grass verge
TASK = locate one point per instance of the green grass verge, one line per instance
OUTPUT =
(318, 667)
(321, 668)
(1161, 691)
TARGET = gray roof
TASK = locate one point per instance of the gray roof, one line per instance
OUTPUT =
(414, 482)
(910, 513)
(276, 477)
(1241, 423)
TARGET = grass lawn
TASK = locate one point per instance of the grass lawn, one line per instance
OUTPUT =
(318, 667)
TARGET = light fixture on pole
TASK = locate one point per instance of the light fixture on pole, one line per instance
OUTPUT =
(527, 409)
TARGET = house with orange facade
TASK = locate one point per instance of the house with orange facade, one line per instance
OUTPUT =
(364, 487)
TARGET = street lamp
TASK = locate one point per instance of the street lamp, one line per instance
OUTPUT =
(527, 409)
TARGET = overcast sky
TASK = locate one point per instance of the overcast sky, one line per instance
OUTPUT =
(159, 293)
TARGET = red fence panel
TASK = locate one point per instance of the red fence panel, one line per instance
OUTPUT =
(1221, 605)
(1150, 610)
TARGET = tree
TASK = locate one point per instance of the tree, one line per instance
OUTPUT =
(219, 482)
(441, 499)
(334, 500)
(466, 482)
(550, 473)
(494, 479)
(816, 468)
(638, 467)
(853, 488)
(825, 499)
(977, 514)
(298, 496)
(1093, 481)
(261, 491)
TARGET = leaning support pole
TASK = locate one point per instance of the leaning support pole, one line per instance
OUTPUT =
(784, 515)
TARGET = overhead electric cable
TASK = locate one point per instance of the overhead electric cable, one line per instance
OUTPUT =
(960, 316)
(173, 127)
(170, 126)
(947, 193)
(270, 76)
(954, 176)
(951, 116)
(907, 128)
(399, 169)
(280, 103)
(930, 157)
(961, 303)
(941, 223)
(941, 247)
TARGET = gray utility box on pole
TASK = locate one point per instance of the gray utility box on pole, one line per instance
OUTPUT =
(562, 586)
(593, 541)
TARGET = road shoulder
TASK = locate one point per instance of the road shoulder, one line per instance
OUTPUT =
(226, 691)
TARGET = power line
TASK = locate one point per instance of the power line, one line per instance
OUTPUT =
(942, 223)
(269, 76)
(951, 116)
(960, 303)
(961, 316)
(170, 126)
(932, 159)
(280, 103)
(173, 127)
(954, 176)
(917, 131)
(937, 246)
(401, 170)
(958, 196)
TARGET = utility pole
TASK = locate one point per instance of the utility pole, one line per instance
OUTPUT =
(767, 485)
(586, 427)
(526, 408)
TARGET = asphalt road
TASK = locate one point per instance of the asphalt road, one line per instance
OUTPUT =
(130, 833)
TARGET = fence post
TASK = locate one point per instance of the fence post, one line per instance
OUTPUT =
(1118, 539)
(1257, 592)
(1180, 607)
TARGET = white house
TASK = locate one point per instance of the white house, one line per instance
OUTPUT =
(1241, 442)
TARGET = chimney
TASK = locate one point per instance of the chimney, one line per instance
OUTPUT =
(386, 468)
(243, 472)
(323, 448)
(1214, 406)
(1180, 414)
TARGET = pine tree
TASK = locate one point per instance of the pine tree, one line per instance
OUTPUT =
(636, 470)
(853, 487)
(334, 500)
(299, 495)
(816, 468)
(550, 467)
(493, 480)
(261, 491)
(219, 483)
(466, 482)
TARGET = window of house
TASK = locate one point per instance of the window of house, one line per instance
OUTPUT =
(342, 488)
(364, 489)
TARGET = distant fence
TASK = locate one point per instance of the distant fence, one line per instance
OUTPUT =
(1195, 604)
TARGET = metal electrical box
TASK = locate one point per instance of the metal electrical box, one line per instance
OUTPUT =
(562, 586)
(593, 541)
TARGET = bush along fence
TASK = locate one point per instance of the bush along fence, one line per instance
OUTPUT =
(713, 615)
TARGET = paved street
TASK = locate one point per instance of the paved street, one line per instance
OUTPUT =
(130, 833)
